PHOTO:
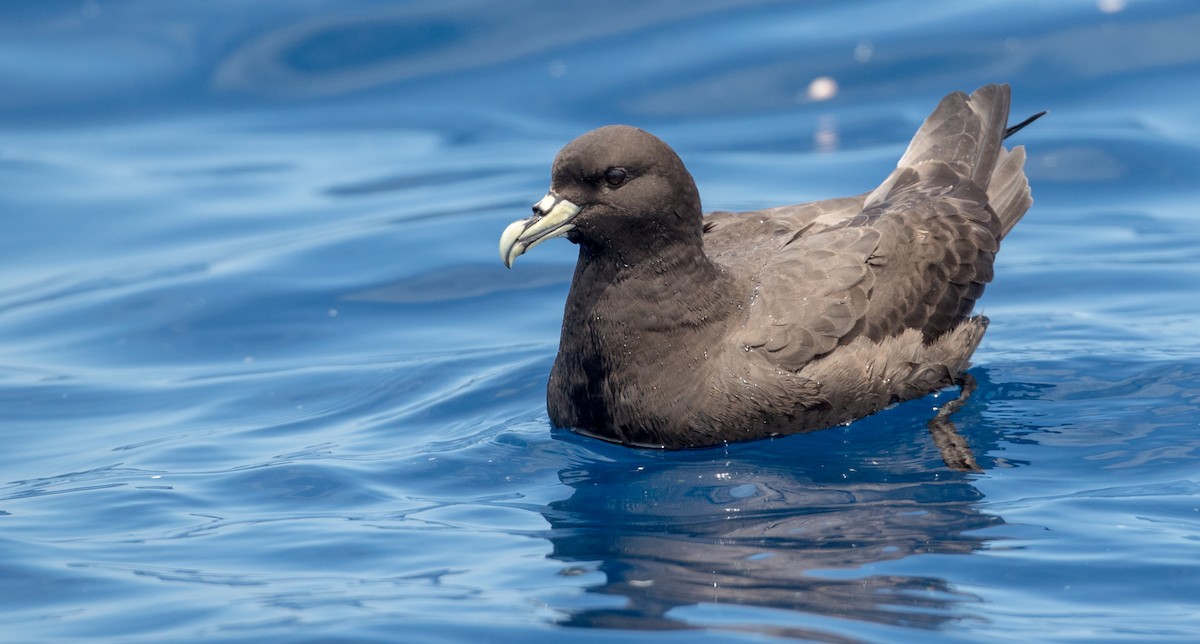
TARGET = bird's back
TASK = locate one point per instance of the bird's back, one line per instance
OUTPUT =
(871, 296)
(914, 253)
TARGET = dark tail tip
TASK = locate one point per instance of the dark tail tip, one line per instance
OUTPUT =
(1019, 126)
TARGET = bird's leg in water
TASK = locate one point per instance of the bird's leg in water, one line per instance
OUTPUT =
(955, 451)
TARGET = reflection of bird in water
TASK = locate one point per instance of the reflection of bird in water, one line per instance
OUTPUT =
(779, 529)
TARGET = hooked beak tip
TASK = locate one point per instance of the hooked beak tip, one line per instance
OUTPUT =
(552, 218)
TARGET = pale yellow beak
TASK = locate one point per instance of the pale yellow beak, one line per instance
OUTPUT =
(551, 218)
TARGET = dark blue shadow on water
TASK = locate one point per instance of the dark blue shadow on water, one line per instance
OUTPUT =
(794, 523)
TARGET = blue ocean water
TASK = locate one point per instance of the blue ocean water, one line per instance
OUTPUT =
(262, 375)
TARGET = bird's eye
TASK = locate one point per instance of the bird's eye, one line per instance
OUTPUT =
(615, 176)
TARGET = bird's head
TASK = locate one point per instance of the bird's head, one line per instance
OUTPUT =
(614, 188)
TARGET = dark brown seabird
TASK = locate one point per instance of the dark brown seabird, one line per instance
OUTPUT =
(685, 330)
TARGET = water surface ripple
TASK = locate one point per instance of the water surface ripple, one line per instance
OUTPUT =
(263, 377)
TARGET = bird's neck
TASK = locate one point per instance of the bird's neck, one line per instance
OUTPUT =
(677, 291)
(635, 339)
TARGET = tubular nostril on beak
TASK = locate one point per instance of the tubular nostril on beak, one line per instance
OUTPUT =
(541, 208)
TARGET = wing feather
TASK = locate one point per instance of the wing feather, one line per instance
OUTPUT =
(913, 255)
